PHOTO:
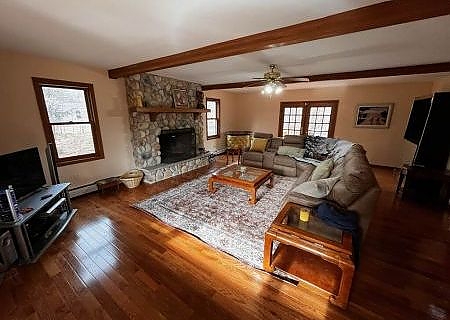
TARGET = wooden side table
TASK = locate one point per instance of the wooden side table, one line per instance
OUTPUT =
(108, 183)
(314, 253)
(232, 153)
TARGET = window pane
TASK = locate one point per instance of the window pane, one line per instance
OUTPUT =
(286, 118)
(212, 127)
(328, 110)
(213, 107)
(210, 104)
(313, 111)
(325, 127)
(65, 105)
(326, 119)
(73, 140)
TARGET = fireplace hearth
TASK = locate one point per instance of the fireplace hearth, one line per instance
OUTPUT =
(177, 145)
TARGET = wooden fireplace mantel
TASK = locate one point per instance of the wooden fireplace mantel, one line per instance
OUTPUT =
(154, 111)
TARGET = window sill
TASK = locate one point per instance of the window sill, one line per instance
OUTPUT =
(78, 159)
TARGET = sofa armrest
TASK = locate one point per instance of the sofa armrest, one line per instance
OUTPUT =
(365, 206)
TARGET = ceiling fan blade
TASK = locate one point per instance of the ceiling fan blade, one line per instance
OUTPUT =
(256, 84)
(296, 79)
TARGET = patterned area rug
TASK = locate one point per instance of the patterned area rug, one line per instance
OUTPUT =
(224, 220)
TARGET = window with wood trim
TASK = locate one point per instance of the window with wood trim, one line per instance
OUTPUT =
(213, 118)
(314, 118)
(70, 120)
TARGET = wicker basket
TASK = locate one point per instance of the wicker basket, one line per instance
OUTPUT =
(132, 178)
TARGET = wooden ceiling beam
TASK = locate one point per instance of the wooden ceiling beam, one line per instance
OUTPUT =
(370, 17)
(373, 73)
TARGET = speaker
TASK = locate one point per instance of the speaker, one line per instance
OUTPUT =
(9, 208)
(51, 156)
(8, 253)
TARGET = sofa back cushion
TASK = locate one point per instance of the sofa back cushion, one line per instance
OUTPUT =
(357, 177)
(357, 173)
(294, 141)
(291, 151)
(274, 144)
(262, 135)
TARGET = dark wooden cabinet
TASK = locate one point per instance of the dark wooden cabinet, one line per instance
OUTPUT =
(433, 148)
(428, 178)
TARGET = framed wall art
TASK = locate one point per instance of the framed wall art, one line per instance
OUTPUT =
(180, 98)
(372, 115)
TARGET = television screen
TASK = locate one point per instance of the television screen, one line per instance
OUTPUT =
(23, 170)
(417, 119)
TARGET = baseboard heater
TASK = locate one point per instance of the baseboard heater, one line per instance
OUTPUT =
(82, 190)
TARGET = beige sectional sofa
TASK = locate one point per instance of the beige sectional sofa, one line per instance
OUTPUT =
(354, 187)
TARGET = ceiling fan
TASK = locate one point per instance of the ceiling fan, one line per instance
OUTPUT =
(273, 82)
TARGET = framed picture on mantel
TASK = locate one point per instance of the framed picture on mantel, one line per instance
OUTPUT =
(180, 98)
(370, 115)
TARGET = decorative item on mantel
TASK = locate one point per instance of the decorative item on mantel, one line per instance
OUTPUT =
(139, 101)
(200, 98)
(180, 98)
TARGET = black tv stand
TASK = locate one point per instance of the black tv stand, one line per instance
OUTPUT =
(49, 213)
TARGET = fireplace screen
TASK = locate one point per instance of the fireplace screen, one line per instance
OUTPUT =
(177, 145)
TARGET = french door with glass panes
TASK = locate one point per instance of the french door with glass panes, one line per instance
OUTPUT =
(314, 118)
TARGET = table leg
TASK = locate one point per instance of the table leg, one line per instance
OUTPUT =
(268, 247)
(400, 180)
(252, 192)
(270, 185)
(341, 299)
(211, 186)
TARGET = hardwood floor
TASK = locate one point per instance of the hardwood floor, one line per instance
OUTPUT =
(115, 262)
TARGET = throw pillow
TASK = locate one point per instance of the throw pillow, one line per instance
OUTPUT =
(315, 148)
(317, 189)
(258, 144)
(322, 170)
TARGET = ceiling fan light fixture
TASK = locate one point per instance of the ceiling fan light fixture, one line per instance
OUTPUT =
(278, 90)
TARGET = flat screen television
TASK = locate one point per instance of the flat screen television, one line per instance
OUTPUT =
(23, 170)
(417, 120)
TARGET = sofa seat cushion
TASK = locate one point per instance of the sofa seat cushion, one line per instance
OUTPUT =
(317, 188)
(253, 156)
(304, 171)
(302, 199)
(284, 161)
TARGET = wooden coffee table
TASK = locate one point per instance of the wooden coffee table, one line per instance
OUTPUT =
(250, 179)
(316, 254)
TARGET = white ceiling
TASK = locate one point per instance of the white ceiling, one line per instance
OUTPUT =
(420, 42)
(113, 33)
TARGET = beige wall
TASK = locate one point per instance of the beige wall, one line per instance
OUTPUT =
(384, 146)
(442, 84)
(228, 108)
(20, 123)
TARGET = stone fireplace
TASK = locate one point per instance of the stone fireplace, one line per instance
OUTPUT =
(153, 91)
